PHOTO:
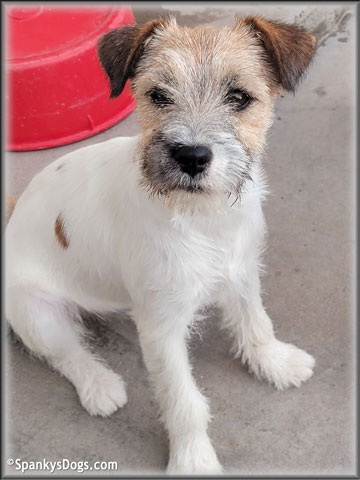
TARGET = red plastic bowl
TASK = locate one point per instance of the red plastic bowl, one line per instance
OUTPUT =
(57, 91)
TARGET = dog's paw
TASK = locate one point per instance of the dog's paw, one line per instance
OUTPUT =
(282, 364)
(102, 391)
(193, 457)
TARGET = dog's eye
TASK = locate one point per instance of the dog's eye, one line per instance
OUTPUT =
(160, 97)
(239, 99)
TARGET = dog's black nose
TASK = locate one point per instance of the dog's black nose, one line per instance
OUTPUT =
(192, 160)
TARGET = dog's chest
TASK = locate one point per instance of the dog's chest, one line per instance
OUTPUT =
(198, 256)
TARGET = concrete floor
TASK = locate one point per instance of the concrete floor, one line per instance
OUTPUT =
(308, 287)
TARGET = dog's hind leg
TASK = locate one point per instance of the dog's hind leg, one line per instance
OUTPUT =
(51, 329)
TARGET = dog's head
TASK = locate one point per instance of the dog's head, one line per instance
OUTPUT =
(204, 96)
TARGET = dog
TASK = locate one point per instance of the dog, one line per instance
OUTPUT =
(163, 223)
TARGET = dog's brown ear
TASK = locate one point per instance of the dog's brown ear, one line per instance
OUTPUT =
(120, 50)
(289, 48)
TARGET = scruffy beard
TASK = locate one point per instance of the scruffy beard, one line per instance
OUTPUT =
(186, 202)
(214, 190)
(191, 201)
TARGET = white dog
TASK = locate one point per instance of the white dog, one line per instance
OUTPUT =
(163, 223)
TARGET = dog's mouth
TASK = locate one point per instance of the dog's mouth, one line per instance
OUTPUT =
(190, 184)
(196, 189)
(175, 182)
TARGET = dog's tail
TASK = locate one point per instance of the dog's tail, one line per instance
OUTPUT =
(10, 205)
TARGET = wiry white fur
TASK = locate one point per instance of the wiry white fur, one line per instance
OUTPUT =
(129, 250)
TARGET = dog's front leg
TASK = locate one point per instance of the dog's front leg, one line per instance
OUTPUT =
(280, 363)
(184, 410)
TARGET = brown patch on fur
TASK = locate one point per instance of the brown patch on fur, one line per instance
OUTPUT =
(60, 232)
(120, 50)
(10, 205)
(289, 48)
